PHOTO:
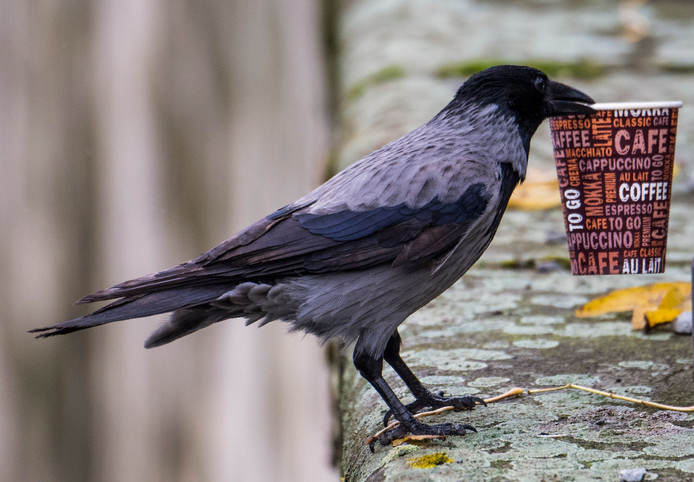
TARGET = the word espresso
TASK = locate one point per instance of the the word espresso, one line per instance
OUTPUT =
(615, 172)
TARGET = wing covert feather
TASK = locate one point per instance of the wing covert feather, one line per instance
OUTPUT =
(296, 240)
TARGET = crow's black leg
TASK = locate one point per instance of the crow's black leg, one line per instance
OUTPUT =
(423, 397)
(371, 369)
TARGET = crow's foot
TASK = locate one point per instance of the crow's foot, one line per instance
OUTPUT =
(418, 428)
(437, 401)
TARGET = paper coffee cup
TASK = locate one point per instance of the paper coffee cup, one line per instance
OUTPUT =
(615, 176)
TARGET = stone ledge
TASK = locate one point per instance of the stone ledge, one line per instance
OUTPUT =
(499, 328)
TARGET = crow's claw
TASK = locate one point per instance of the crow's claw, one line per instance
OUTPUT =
(440, 430)
(438, 401)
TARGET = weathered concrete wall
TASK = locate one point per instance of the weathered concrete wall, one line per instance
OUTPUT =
(509, 322)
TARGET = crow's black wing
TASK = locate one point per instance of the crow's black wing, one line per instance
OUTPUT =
(293, 242)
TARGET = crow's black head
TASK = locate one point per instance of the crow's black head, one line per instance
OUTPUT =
(522, 92)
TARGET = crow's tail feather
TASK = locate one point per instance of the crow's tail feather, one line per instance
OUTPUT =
(184, 322)
(138, 307)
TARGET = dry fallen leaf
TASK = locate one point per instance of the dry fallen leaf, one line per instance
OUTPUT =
(535, 195)
(540, 190)
(409, 438)
(674, 302)
(652, 304)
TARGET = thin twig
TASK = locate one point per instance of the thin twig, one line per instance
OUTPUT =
(613, 395)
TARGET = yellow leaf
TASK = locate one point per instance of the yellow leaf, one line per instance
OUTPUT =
(536, 195)
(656, 317)
(539, 191)
(655, 304)
(638, 317)
(670, 307)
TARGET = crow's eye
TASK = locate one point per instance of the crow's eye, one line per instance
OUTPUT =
(540, 84)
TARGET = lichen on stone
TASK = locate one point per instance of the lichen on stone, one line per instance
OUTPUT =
(429, 461)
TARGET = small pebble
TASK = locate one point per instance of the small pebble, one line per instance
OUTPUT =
(683, 323)
(632, 475)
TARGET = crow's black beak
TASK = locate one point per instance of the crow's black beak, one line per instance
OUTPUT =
(563, 99)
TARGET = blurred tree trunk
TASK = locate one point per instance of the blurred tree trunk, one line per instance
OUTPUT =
(135, 134)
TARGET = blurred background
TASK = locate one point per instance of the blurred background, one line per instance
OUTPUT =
(136, 134)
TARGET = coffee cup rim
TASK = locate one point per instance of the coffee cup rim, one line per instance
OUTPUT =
(665, 104)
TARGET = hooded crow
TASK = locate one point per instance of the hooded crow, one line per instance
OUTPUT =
(359, 254)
